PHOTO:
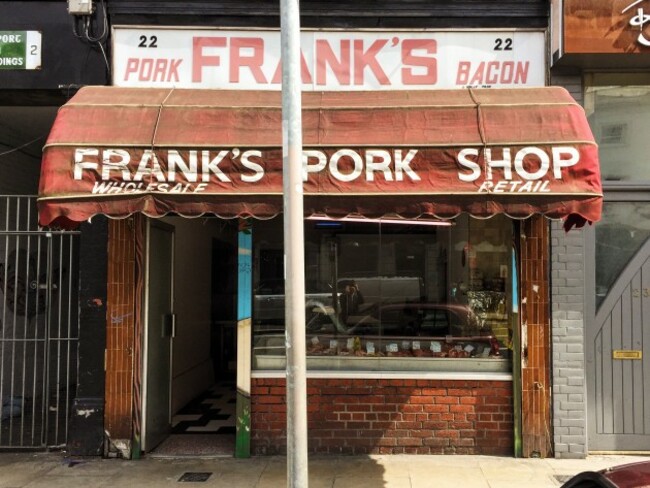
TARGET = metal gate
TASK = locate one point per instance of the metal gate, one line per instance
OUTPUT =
(38, 327)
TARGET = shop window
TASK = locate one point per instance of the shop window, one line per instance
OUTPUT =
(618, 107)
(391, 296)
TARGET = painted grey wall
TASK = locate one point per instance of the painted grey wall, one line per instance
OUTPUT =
(567, 332)
(568, 325)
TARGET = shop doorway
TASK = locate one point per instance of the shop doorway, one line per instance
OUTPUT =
(190, 362)
(618, 345)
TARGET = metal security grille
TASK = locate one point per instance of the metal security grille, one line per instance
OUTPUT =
(38, 327)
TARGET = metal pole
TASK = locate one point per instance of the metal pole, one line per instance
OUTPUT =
(297, 469)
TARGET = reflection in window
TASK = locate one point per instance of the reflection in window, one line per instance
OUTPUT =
(612, 134)
(623, 229)
(376, 291)
(618, 107)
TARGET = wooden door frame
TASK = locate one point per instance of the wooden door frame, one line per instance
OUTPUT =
(534, 353)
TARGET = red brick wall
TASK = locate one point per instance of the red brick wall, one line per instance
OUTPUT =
(382, 416)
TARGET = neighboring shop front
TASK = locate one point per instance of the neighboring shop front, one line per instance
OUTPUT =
(601, 52)
(427, 247)
(42, 62)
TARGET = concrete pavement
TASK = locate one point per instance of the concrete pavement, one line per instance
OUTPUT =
(56, 470)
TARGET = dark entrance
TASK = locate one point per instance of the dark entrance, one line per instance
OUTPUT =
(223, 332)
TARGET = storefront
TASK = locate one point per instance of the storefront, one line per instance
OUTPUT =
(428, 322)
(426, 251)
(601, 48)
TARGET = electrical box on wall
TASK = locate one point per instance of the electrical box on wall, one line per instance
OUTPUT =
(80, 7)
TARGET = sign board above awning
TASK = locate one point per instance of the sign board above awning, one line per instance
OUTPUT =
(118, 151)
(156, 57)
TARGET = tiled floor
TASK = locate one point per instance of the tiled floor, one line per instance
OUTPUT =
(204, 428)
(211, 413)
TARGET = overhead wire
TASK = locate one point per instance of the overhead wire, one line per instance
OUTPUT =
(28, 143)
(89, 36)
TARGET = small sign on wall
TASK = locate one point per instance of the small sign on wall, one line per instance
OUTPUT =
(627, 354)
(20, 50)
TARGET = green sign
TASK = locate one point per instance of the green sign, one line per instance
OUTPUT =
(20, 50)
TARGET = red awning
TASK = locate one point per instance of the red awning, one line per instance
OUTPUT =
(117, 151)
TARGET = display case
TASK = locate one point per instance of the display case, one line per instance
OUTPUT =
(384, 353)
(384, 297)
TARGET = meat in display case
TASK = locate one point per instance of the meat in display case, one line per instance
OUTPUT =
(355, 353)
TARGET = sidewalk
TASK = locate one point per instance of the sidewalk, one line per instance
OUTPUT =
(55, 470)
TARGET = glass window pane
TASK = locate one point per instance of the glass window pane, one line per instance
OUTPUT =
(388, 296)
(618, 107)
(621, 232)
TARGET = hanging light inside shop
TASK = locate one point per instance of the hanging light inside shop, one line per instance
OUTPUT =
(395, 220)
